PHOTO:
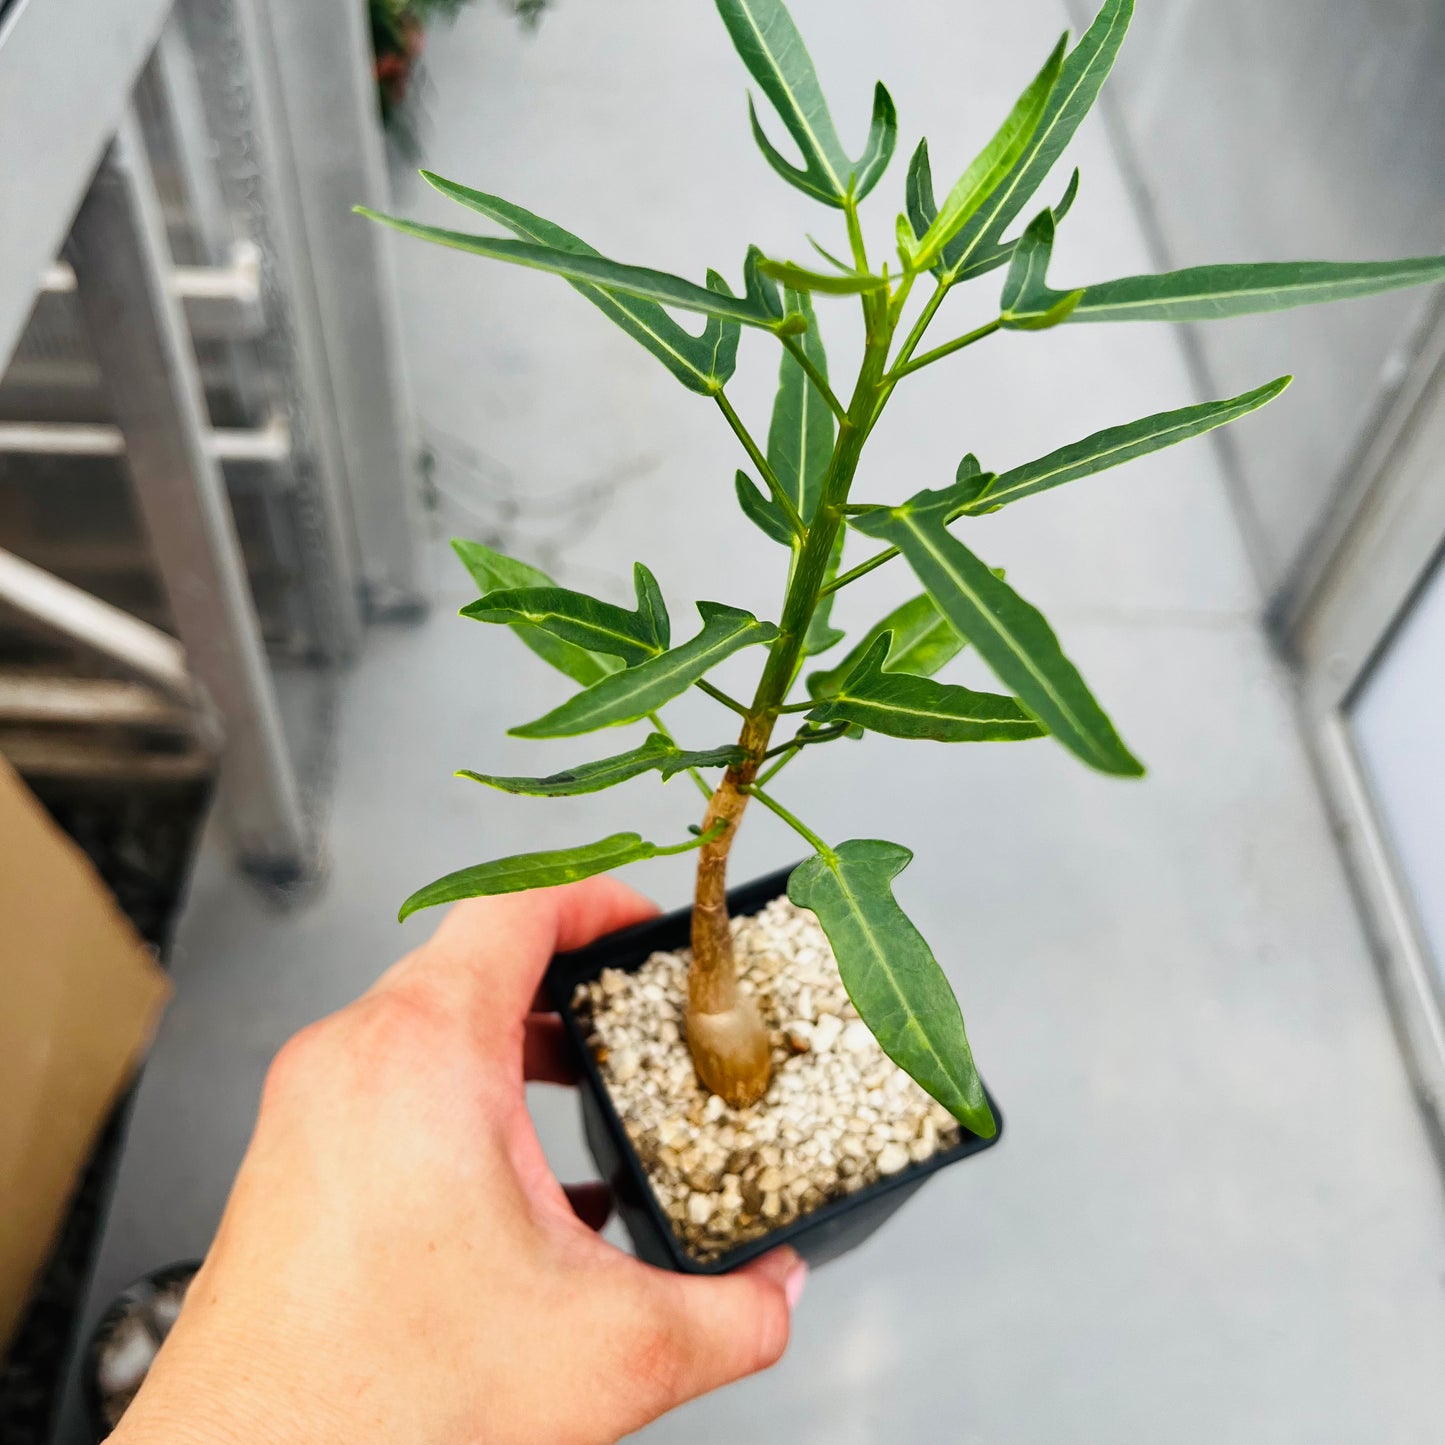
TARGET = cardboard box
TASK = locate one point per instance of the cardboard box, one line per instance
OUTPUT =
(80, 995)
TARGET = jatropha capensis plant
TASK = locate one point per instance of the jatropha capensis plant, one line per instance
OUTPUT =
(626, 662)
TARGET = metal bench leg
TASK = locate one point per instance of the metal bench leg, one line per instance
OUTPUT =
(118, 249)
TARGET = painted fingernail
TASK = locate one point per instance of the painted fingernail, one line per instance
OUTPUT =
(793, 1285)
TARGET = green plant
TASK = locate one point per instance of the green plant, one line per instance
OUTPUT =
(624, 659)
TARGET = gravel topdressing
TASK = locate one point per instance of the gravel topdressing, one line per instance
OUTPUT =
(838, 1115)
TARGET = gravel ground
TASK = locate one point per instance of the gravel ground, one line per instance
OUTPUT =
(838, 1115)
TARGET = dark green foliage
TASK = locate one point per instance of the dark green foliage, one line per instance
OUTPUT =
(797, 491)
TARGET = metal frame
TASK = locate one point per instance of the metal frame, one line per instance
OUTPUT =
(321, 52)
(117, 248)
(67, 68)
(1382, 555)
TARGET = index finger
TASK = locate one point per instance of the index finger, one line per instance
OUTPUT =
(491, 953)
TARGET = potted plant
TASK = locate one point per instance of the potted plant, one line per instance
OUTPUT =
(806, 1064)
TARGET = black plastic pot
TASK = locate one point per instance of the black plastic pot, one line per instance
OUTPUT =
(829, 1231)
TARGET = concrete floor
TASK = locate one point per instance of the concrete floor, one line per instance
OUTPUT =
(1215, 1217)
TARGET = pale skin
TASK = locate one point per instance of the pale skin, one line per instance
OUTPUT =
(397, 1261)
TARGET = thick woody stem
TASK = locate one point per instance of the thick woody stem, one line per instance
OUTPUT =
(725, 1033)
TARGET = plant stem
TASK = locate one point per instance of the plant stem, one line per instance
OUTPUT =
(795, 823)
(783, 500)
(861, 570)
(718, 695)
(820, 382)
(804, 739)
(947, 349)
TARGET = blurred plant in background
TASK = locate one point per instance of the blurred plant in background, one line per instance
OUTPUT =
(398, 37)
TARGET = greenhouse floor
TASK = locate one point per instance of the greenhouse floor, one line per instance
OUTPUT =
(1215, 1216)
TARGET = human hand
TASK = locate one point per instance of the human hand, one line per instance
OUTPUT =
(398, 1263)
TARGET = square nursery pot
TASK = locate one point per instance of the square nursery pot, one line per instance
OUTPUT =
(827, 1232)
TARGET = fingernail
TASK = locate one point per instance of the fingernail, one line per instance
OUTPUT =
(793, 1285)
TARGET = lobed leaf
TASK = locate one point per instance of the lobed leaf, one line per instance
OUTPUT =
(882, 138)
(760, 511)
(1027, 303)
(903, 706)
(492, 571)
(583, 620)
(992, 164)
(890, 972)
(523, 871)
(920, 641)
(656, 754)
(702, 363)
(1116, 445)
(821, 634)
(629, 696)
(1082, 75)
(1010, 635)
(768, 41)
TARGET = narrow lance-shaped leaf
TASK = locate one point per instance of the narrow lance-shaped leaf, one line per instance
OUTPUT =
(657, 754)
(902, 706)
(1009, 634)
(702, 363)
(1081, 77)
(1116, 445)
(991, 165)
(920, 641)
(821, 634)
(628, 696)
(800, 433)
(659, 286)
(584, 620)
(1214, 293)
(492, 571)
(801, 278)
(768, 41)
(890, 972)
(524, 871)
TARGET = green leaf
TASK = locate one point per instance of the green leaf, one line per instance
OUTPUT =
(800, 434)
(760, 511)
(821, 634)
(1081, 76)
(492, 571)
(1214, 293)
(583, 620)
(538, 870)
(657, 754)
(922, 209)
(702, 363)
(640, 281)
(920, 639)
(890, 972)
(991, 166)
(1027, 304)
(628, 696)
(768, 41)
(800, 278)
(903, 706)
(1118, 444)
(1010, 635)
(651, 607)
(882, 138)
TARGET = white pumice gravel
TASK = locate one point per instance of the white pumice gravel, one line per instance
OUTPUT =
(838, 1115)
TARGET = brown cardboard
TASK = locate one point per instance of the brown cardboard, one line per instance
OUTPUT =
(79, 997)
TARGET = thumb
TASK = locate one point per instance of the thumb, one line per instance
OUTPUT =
(727, 1327)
